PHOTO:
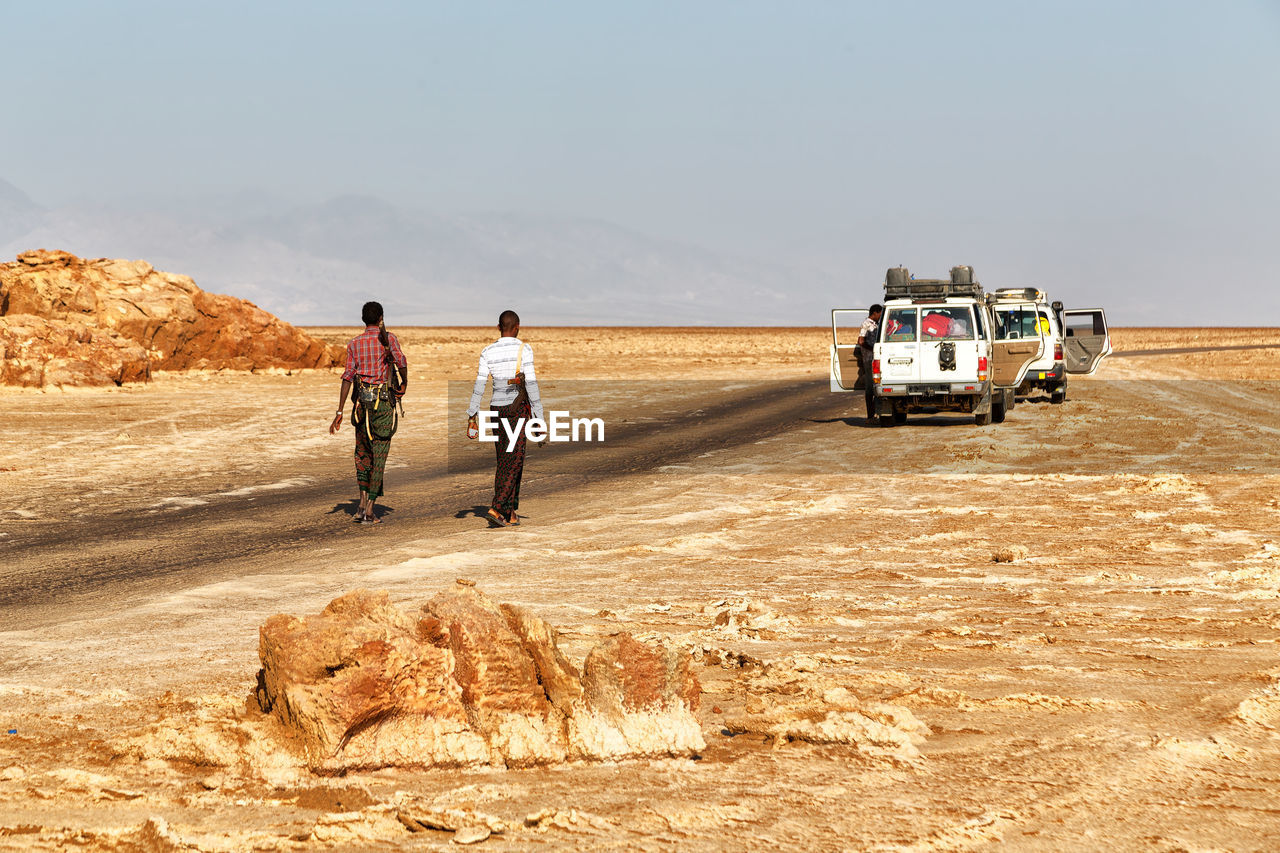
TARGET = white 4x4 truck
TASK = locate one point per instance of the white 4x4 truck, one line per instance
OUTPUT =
(1075, 341)
(940, 348)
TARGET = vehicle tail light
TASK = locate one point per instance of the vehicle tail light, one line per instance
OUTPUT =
(875, 370)
(1057, 352)
(982, 367)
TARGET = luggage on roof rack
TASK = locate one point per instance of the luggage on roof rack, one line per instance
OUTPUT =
(899, 284)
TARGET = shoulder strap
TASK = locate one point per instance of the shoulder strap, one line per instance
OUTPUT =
(519, 356)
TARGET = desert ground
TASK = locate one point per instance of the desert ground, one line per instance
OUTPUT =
(1112, 682)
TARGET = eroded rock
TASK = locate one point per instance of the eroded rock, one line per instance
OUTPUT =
(569, 820)
(364, 685)
(370, 826)
(788, 704)
(1011, 554)
(638, 700)
(361, 688)
(37, 352)
(210, 733)
(62, 316)
(499, 678)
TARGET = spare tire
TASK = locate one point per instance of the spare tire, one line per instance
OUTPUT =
(962, 275)
(897, 277)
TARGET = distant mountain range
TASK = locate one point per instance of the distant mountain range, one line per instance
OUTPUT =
(316, 264)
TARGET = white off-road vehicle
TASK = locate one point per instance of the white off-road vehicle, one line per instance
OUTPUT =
(938, 349)
(1079, 350)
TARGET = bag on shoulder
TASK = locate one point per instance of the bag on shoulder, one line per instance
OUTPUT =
(398, 381)
(518, 379)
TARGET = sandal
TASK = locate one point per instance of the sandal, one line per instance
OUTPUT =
(495, 518)
(513, 520)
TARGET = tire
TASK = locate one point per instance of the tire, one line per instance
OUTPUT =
(997, 409)
(1058, 396)
(899, 417)
(887, 420)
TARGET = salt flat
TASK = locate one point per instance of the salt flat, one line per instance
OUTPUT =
(1116, 685)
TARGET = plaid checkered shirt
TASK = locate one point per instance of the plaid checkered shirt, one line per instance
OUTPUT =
(364, 357)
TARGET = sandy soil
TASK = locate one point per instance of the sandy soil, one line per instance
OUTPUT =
(1115, 685)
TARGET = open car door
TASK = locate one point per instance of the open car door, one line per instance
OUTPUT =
(1016, 343)
(1085, 340)
(846, 323)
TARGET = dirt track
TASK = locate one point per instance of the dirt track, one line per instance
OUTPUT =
(1116, 686)
(110, 558)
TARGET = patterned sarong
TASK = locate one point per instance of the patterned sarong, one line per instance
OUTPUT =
(506, 479)
(371, 449)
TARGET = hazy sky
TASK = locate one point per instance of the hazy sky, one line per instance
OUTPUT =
(1143, 136)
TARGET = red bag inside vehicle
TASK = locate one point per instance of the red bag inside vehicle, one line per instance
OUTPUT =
(936, 326)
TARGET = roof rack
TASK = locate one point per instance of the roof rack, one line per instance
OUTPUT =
(898, 283)
(1029, 294)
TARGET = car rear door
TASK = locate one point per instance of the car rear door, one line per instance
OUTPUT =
(846, 323)
(899, 347)
(1086, 341)
(1016, 343)
(949, 343)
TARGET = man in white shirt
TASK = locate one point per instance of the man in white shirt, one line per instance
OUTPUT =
(515, 397)
(867, 337)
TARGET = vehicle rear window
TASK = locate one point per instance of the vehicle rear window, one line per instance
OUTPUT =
(953, 323)
(901, 325)
(1015, 323)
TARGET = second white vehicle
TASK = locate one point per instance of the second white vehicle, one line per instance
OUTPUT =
(1089, 341)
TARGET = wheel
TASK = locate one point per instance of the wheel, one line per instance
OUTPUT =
(887, 420)
(1058, 396)
(899, 417)
(997, 409)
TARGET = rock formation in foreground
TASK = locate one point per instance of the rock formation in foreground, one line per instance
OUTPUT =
(466, 682)
(69, 321)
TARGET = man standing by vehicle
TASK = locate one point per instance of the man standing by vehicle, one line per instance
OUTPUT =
(379, 370)
(515, 395)
(867, 337)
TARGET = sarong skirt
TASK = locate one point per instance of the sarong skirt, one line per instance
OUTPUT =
(506, 479)
(371, 452)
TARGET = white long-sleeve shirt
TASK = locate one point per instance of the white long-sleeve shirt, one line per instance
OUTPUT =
(498, 360)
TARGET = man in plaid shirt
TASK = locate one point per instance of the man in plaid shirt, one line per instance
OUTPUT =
(374, 411)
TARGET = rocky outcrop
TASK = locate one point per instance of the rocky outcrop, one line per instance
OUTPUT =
(37, 352)
(796, 701)
(466, 682)
(90, 306)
